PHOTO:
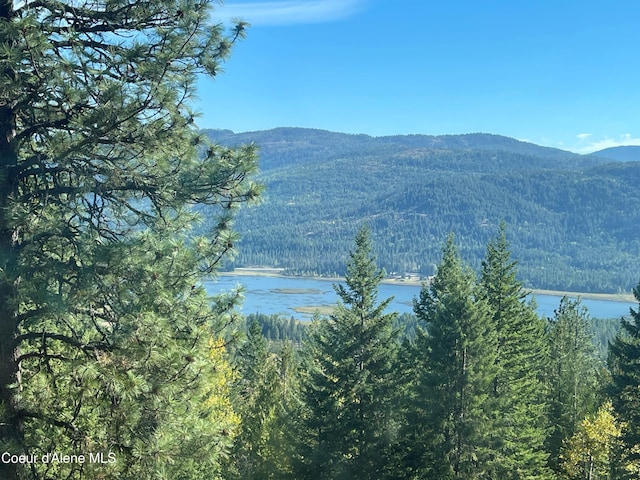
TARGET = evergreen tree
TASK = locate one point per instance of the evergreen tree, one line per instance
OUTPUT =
(572, 375)
(624, 360)
(283, 442)
(520, 361)
(452, 416)
(254, 400)
(348, 424)
(264, 396)
(107, 341)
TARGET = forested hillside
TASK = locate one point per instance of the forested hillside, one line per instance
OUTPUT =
(630, 153)
(572, 220)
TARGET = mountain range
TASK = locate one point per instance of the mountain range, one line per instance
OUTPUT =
(627, 153)
(572, 220)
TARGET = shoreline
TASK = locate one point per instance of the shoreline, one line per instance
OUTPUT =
(416, 282)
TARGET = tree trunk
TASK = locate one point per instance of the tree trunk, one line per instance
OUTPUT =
(10, 426)
(11, 434)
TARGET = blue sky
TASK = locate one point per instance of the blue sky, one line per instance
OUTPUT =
(561, 73)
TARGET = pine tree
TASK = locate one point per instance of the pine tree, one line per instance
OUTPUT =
(520, 362)
(104, 330)
(454, 426)
(624, 391)
(572, 375)
(348, 425)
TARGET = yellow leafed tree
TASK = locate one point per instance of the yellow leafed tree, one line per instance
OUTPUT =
(589, 454)
(219, 399)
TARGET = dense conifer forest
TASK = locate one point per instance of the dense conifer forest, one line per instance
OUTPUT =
(474, 385)
(572, 219)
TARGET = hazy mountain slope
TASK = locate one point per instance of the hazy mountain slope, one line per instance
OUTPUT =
(570, 228)
(629, 153)
(287, 146)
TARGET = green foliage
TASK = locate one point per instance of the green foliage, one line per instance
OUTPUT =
(265, 392)
(452, 424)
(625, 382)
(407, 326)
(104, 330)
(573, 376)
(480, 387)
(604, 332)
(129, 371)
(277, 329)
(347, 424)
(520, 365)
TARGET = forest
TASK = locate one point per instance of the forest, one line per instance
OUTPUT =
(115, 208)
(474, 385)
(572, 218)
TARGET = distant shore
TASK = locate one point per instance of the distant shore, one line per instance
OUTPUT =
(416, 281)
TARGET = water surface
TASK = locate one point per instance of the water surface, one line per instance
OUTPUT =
(281, 295)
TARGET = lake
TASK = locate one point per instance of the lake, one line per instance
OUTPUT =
(270, 295)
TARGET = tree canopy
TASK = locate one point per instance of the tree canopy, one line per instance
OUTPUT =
(349, 389)
(107, 340)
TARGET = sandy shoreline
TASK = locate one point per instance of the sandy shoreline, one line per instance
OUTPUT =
(278, 272)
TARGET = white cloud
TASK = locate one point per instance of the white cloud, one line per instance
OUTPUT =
(290, 12)
(583, 136)
(608, 142)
